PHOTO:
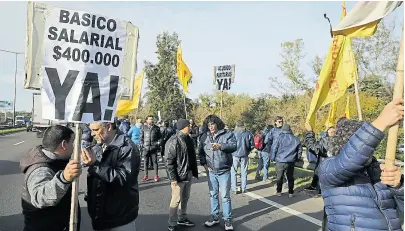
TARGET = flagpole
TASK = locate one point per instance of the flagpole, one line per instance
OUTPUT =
(75, 185)
(398, 93)
(184, 100)
(356, 90)
(222, 101)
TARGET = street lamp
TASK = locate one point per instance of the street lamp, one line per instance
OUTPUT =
(15, 80)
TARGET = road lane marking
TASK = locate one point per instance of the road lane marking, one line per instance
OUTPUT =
(19, 143)
(279, 206)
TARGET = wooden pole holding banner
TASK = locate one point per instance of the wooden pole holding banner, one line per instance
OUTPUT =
(185, 106)
(356, 92)
(75, 184)
(398, 93)
(222, 102)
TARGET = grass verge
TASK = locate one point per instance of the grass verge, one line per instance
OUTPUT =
(11, 130)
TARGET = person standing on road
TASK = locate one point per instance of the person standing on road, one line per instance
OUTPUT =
(112, 179)
(166, 132)
(48, 174)
(360, 193)
(215, 153)
(181, 162)
(135, 132)
(245, 144)
(320, 149)
(264, 160)
(150, 143)
(194, 133)
(285, 151)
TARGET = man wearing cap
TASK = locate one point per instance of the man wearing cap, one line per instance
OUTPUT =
(181, 163)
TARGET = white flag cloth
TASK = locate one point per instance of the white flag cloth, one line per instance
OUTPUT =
(365, 12)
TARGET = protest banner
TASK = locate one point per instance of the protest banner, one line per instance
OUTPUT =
(224, 76)
(39, 13)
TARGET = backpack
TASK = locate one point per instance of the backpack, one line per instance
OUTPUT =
(259, 141)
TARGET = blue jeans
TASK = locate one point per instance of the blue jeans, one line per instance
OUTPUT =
(221, 183)
(263, 164)
(243, 162)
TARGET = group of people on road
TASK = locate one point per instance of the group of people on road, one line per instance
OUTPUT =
(358, 192)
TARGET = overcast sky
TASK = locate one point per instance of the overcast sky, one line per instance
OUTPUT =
(247, 34)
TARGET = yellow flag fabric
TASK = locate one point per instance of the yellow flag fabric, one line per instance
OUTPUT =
(331, 121)
(125, 107)
(363, 19)
(347, 110)
(338, 73)
(183, 72)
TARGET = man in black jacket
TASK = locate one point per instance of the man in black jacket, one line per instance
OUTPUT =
(150, 143)
(320, 148)
(112, 180)
(166, 132)
(181, 162)
(194, 133)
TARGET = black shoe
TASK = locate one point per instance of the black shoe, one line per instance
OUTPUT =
(310, 188)
(186, 222)
(172, 228)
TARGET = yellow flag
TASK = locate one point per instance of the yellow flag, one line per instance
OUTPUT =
(338, 73)
(125, 107)
(347, 110)
(331, 121)
(183, 72)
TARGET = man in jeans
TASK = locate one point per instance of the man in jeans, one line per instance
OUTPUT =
(181, 162)
(245, 144)
(218, 144)
(286, 150)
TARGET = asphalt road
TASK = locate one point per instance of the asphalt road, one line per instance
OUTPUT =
(257, 210)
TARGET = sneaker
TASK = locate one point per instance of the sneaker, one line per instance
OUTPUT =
(228, 225)
(257, 178)
(156, 178)
(278, 194)
(290, 195)
(310, 188)
(172, 228)
(186, 222)
(211, 221)
(145, 178)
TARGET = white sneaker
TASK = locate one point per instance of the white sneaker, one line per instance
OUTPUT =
(211, 221)
(228, 225)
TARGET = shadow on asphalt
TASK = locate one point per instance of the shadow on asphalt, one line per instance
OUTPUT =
(12, 222)
(9, 168)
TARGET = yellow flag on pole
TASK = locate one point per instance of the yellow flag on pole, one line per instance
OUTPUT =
(125, 107)
(347, 110)
(331, 121)
(183, 72)
(338, 73)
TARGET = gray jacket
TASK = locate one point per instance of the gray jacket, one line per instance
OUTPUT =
(219, 161)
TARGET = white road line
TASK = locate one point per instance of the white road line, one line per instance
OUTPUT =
(19, 143)
(280, 206)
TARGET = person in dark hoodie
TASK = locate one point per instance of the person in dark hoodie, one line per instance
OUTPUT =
(358, 192)
(112, 179)
(285, 151)
(166, 132)
(245, 144)
(194, 133)
(48, 174)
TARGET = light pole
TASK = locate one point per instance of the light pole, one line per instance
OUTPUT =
(15, 80)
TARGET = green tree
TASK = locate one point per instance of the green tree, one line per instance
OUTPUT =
(164, 93)
(294, 80)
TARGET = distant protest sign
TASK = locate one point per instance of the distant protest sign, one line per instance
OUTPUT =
(81, 66)
(224, 76)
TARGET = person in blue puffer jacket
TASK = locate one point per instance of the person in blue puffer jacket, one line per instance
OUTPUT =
(358, 192)
(135, 132)
(285, 151)
(245, 144)
(215, 153)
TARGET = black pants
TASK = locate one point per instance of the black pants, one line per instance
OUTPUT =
(315, 183)
(147, 156)
(288, 170)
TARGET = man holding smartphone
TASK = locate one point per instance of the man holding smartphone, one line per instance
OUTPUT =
(215, 152)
